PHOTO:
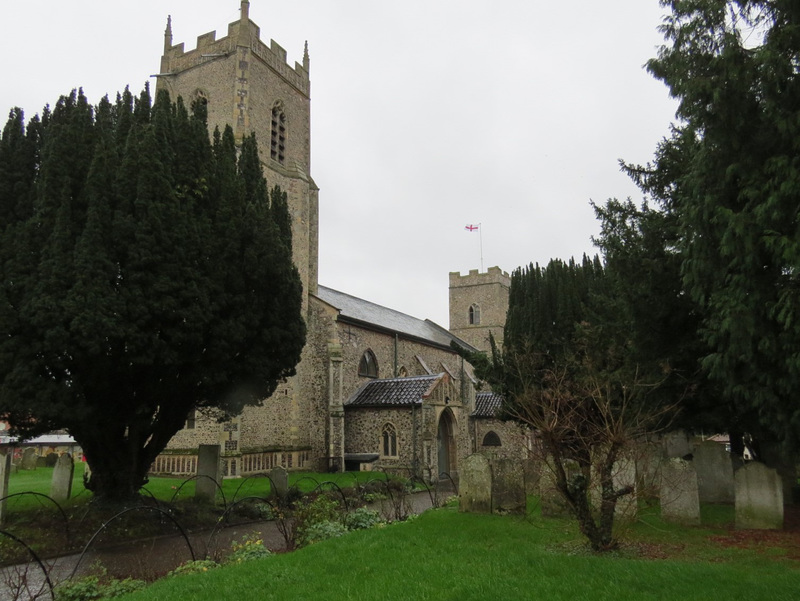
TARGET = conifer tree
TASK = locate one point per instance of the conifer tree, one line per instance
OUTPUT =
(145, 274)
(728, 176)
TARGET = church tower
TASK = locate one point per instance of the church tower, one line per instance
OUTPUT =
(478, 306)
(249, 86)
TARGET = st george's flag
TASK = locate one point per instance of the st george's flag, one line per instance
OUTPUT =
(471, 228)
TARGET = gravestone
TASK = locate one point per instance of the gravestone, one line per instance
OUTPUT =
(647, 457)
(5, 471)
(209, 472)
(508, 486)
(714, 473)
(532, 472)
(676, 444)
(29, 459)
(280, 481)
(553, 503)
(475, 487)
(680, 500)
(759, 497)
(61, 486)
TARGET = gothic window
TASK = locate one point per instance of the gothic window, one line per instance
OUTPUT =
(277, 149)
(191, 420)
(368, 366)
(474, 315)
(389, 441)
(491, 439)
(402, 372)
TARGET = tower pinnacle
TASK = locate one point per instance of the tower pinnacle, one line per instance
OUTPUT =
(168, 34)
(306, 61)
(245, 10)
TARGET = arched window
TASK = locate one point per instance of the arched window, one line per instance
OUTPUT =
(277, 149)
(474, 315)
(368, 366)
(491, 439)
(402, 372)
(389, 441)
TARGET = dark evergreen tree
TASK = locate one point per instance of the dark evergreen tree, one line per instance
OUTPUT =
(728, 176)
(145, 273)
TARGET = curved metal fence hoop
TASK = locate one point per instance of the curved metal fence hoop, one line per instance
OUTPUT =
(49, 498)
(341, 492)
(223, 518)
(120, 514)
(296, 485)
(197, 477)
(251, 477)
(453, 482)
(35, 557)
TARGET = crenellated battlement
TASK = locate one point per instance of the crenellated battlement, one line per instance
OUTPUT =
(241, 33)
(493, 275)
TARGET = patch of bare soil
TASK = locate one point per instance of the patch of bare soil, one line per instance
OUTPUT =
(763, 541)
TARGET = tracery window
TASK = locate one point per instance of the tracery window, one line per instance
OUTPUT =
(368, 366)
(389, 441)
(474, 315)
(277, 149)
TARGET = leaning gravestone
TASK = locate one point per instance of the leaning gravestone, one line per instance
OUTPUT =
(714, 473)
(209, 472)
(29, 457)
(759, 498)
(280, 481)
(61, 486)
(475, 486)
(508, 486)
(5, 471)
(680, 501)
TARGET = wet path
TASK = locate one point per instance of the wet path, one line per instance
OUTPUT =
(152, 558)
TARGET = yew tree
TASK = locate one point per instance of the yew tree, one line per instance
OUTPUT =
(146, 271)
(729, 177)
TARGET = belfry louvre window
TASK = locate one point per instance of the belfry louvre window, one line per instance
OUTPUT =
(368, 366)
(277, 149)
(475, 315)
(389, 441)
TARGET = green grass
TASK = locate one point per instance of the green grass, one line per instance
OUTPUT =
(448, 555)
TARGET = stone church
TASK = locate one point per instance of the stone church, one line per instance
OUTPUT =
(375, 388)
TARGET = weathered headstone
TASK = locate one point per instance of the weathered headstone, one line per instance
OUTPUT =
(508, 485)
(676, 444)
(5, 471)
(280, 480)
(209, 471)
(680, 501)
(759, 497)
(61, 486)
(532, 471)
(475, 488)
(625, 476)
(714, 473)
(29, 457)
(553, 503)
(648, 457)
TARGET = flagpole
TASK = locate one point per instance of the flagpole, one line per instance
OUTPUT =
(480, 233)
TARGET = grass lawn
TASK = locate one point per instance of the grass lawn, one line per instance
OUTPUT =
(448, 555)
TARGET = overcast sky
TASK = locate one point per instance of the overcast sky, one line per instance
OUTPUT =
(427, 115)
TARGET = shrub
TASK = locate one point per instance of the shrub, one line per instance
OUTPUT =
(91, 588)
(194, 567)
(362, 518)
(249, 548)
(319, 531)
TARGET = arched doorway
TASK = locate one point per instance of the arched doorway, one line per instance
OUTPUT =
(446, 443)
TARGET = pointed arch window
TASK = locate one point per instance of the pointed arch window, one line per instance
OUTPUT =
(389, 440)
(277, 151)
(368, 366)
(475, 315)
(491, 439)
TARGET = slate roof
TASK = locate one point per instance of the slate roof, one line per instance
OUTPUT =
(487, 404)
(393, 392)
(364, 313)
